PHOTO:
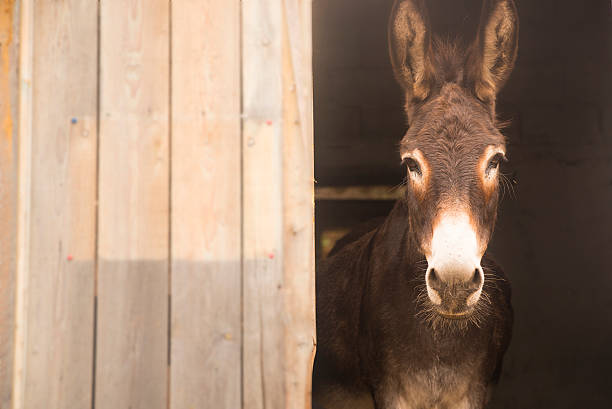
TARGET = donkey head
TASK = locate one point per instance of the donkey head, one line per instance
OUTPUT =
(452, 148)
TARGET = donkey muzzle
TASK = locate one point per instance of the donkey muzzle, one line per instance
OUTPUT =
(454, 296)
(454, 277)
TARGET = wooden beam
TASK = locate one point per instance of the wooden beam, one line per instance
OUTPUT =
(133, 246)
(206, 223)
(380, 192)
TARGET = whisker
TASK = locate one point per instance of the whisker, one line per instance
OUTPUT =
(399, 185)
(508, 185)
(492, 277)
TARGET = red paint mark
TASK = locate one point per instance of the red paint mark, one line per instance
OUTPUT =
(268, 122)
(271, 256)
(69, 258)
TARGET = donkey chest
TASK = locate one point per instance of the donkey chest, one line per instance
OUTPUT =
(438, 387)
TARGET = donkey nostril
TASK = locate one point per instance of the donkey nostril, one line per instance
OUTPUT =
(476, 280)
(433, 280)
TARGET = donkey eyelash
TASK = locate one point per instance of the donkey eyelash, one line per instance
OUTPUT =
(413, 165)
(495, 161)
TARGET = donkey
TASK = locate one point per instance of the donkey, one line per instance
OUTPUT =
(413, 313)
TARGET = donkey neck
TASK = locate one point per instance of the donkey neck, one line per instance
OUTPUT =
(394, 240)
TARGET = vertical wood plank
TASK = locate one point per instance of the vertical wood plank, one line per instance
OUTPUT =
(59, 347)
(205, 330)
(278, 281)
(26, 57)
(132, 342)
(263, 380)
(298, 199)
(9, 88)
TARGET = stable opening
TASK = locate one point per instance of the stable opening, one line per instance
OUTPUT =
(552, 235)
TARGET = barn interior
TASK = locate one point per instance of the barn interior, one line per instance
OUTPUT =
(554, 230)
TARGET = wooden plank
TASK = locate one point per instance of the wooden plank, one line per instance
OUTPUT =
(263, 370)
(132, 342)
(278, 267)
(298, 197)
(206, 327)
(60, 274)
(24, 187)
(9, 88)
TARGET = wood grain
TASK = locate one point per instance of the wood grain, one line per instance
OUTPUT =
(59, 348)
(263, 380)
(24, 188)
(278, 282)
(240, 234)
(9, 88)
(132, 342)
(206, 331)
(298, 198)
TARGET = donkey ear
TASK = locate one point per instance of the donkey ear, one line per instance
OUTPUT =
(496, 47)
(408, 45)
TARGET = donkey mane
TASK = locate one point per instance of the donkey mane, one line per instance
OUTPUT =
(448, 60)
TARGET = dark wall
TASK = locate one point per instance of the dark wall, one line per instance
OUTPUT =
(554, 235)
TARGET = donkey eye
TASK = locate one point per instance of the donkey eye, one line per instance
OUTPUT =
(412, 165)
(494, 162)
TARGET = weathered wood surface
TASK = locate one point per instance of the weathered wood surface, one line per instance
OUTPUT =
(204, 198)
(24, 188)
(59, 344)
(206, 327)
(298, 197)
(278, 281)
(132, 341)
(9, 88)
(263, 384)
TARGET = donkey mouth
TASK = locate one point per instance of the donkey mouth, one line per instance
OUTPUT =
(455, 315)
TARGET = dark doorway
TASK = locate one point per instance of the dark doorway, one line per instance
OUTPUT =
(554, 234)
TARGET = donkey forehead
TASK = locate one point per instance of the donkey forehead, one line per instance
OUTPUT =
(452, 123)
